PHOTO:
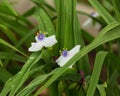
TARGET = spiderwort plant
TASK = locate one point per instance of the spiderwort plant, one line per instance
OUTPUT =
(39, 70)
(42, 41)
(67, 55)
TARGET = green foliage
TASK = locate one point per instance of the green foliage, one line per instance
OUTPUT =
(28, 74)
(96, 73)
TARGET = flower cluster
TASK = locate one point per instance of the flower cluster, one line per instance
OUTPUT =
(43, 41)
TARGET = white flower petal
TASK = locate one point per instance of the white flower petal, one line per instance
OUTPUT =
(35, 47)
(45, 42)
(36, 39)
(49, 41)
(61, 61)
(95, 14)
(75, 50)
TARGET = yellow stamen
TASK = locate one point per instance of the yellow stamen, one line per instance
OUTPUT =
(60, 52)
(44, 33)
(37, 33)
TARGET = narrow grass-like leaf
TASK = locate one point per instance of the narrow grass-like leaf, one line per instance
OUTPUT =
(38, 2)
(116, 9)
(26, 37)
(111, 84)
(29, 12)
(69, 17)
(83, 64)
(45, 24)
(25, 72)
(6, 8)
(8, 33)
(102, 11)
(36, 70)
(100, 57)
(87, 36)
(11, 46)
(1, 64)
(4, 75)
(18, 27)
(101, 89)
(90, 16)
(15, 57)
(7, 86)
(60, 6)
(34, 83)
(50, 7)
(24, 20)
(14, 85)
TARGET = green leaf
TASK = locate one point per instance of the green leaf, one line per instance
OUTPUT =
(40, 2)
(82, 64)
(69, 17)
(100, 57)
(6, 8)
(8, 33)
(116, 9)
(90, 16)
(29, 12)
(101, 89)
(1, 64)
(15, 84)
(20, 28)
(4, 75)
(71, 74)
(15, 57)
(102, 11)
(11, 46)
(26, 37)
(35, 83)
(25, 72)
(44, 22)
(60, 23)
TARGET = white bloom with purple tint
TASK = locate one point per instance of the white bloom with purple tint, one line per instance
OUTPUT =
(89, 21)
(42, 41)
(67, 55)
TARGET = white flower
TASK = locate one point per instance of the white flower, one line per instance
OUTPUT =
(67, 55)
(42, 41)
(89, 21)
